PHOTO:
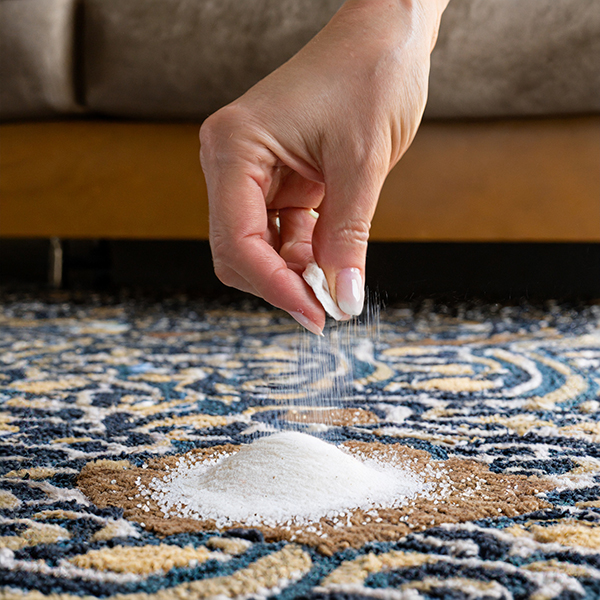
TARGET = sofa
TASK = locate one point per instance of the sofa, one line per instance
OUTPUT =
(101, 100)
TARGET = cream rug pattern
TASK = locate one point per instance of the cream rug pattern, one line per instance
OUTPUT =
(500, 405)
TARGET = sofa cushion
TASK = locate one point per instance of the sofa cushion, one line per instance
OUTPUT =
(515, 58)
(36, 58)
(161, 59)
(187, 58)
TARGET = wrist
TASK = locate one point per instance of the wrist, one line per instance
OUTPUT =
(405, 16)
(433, 9)
(428, 13)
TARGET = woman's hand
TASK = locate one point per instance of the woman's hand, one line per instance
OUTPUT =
(318, 135)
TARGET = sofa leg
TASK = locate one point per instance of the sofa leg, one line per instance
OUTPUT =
(55, 271)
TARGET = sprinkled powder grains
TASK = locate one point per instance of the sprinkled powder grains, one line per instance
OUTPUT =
(321, 378)
(291, 479)
(285, 479)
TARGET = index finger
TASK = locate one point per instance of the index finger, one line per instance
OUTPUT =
(238, 222)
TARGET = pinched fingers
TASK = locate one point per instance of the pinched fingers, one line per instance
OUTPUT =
(342, 232)
(252, 265)
(240, 235)
(295, 235)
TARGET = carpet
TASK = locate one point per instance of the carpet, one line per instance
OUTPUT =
(498, 406)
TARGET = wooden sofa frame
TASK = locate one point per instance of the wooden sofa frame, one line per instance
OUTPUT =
(526, 180)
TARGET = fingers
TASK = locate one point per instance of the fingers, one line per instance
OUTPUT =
(296, 232)
(271, 235)
(297, 191)
(232, 279)
(238, 227)
(342, 232)
(252, 265)
(279, 288)
(295, 198)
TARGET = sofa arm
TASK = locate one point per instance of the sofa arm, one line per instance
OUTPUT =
(37, 65)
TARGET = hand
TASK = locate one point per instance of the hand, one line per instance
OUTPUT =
(321, 132)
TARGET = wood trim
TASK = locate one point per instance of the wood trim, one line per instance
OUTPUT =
(521, 180)
(93, 179)
(518, 180)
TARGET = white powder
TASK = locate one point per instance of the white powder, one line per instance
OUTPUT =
(315, 277)
(284, 478)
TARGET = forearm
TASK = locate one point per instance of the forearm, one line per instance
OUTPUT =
(437, 8)
(401, 18)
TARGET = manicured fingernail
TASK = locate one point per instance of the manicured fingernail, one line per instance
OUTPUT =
(350, 291)
(306, 323)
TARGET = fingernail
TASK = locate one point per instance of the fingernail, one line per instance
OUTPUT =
(306, 323)
(350, 291)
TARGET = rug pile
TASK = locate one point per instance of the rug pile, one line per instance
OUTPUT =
(499, 404)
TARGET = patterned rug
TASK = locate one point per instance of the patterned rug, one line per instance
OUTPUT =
(497, 406)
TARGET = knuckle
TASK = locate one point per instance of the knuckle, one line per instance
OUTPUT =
(224, 274)
(212, 126)
(298, 251)
(355, 232)
(207, 133)
(217, 130)
(277, 280)
(219, 247)
(295, 245)
(374, 160)
(220, 124)
(209, 138)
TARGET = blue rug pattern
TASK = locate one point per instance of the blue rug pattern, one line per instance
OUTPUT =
(87, 382)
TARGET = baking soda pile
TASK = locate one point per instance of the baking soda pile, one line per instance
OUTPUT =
(292, 479)
(288, 479)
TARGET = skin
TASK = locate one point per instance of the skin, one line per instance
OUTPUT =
(321, 132)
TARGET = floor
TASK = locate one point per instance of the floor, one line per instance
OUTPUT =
(497, 407)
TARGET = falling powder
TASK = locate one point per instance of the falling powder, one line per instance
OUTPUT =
(291, 479)
(285, 478)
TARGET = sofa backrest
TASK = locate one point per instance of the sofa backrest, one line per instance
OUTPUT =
(183, 59)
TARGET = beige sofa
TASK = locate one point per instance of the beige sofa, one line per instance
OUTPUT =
(101, 101)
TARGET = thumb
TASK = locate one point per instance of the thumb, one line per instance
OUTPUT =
(341, 236)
